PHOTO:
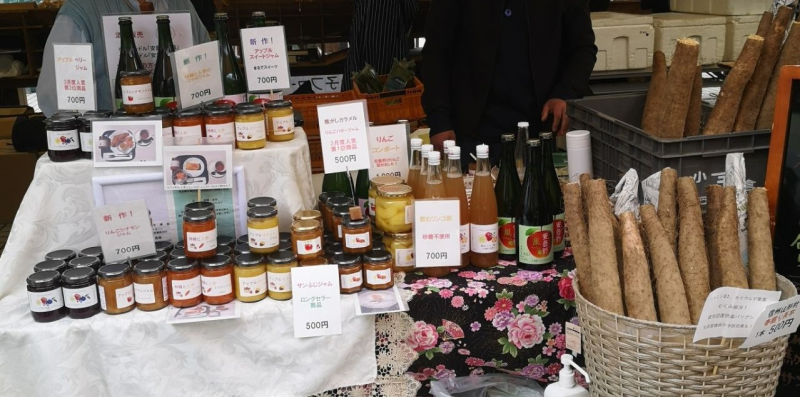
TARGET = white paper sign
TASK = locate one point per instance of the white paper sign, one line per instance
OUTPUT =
(388, 151)
(437, 235)
(778, 319)
(343, 133)
(197, 76)
(124, 230)
(265, 60)
(316, 301)
(732, 312)
(75, 77)
(320, 84)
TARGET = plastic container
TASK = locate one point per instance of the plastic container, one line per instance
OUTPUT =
(722, 7)
(624, 41)
(566, 385)
(388, 107)
(737, 29)
(708, 30)
(579, 154)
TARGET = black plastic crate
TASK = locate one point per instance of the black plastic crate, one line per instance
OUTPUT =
(619, 144)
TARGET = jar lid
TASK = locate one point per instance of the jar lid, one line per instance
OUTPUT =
(44, 279)
(216, 262)
(349, 222)
(399, 236)
(262, 212)
(379, 181)
(262, 202)
(158, 256)
(249, 260)
(177, 253)
(281, 258)
(114, 270)
(241, 249)
(84, 261)
(378, 245)
(313, 262)
(102, 113)
(325, 196)
(346, 260)
(334, 249)
(218, 110)
(305, 226)
(377, 256)
(248, 108)
(149, 267)
(339, 202)
(121, 262)
(165, 246)
(199, 206)
(507, 138)
(285, 237)
(341, 210)
(225, 240)
(224, 250)
(134, 72)
(198, 216)
(64, 255)
(61, 124)
(277, 104)
(180, 244)
(182, 264)
(77, 276)
(394, 191)
(243, 239)
(52, 264)
(96, 252)
(303, 215)
(193, 112)
(285, 246)
(546, 135)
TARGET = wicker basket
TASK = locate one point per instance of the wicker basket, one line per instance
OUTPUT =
(628, 357)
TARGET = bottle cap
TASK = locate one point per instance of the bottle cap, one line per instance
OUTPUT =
(507, 138)
(546, 135)
(523, 124)
(455, 153)
(416, 143)
(578, 139)
(434, 157)
(426, 149)
(448, 144)
(534, 142)
(482, 151)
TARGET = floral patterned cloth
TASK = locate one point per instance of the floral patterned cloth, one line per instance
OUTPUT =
(477, 321)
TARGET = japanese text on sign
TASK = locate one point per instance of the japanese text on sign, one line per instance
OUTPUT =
(316, 301)
(778, 319)
(265, 59)
(125, 231)
(731, 312)
(343, 135)
(74, 76)
(437, 240)
(197, 74)
(388, 151)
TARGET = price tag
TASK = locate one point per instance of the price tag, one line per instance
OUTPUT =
(778, 319)
(316, 301)
(732, 312)
(388, 151)
(264, 53)
(343, 134)
(125, 231)
(437, 235)
(75, 77)
(197, 75)
(573, 338)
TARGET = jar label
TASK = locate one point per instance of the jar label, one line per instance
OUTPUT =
(507, 230)
(80, 298)
(535, 244)
(137, 94)
(186, 289)
(409, 214)
(63, 140)
(220, 133)
(283, 125)
(144, 293)
(464, 238)
(308, 247)
(217, 286)
(201, 241)
(360, 240)
(263, 238)
(339, 231)
(350, 281)
(483, 238)
(279, 282)
(86, 142)
(252, 286)
(404, 257)
(166, 133)
(379, 277)
(41, 302)
(559, 240)
(164, 289)
(191, 135)
(372, 209)
(250, 131)
(124, 297)
(102, 292)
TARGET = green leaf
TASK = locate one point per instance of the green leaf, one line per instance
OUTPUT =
(538, 360)
(503, 341)
(436, 350)
(530, 310)
(504, 294)
(530, 231)
(502, 221)
(515, 312)
(440, 329)
(434, 289)
(429, 355)
(546, 336)
(513, 350)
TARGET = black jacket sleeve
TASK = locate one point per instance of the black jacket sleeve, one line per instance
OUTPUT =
(441, 30)
(578, 51)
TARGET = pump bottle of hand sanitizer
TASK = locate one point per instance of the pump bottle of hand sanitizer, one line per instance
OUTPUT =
(566, 386)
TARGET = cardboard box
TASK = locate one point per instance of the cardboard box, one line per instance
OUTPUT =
(17, 181)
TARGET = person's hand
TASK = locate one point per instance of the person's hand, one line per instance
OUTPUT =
(438, 140)
(558, 107)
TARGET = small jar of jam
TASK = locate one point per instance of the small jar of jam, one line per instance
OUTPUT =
(323, 208)
(401, 245)
(183, 282)
(220, 126)
(115, 286)
(356, 235)
(85, 131)
(188, 127)
(61, 255)
(314, 262)
(63, 141)
(378, 270)
(333, 250)
(307, 239)
(262, 202)
(262, 228)
(331, 239)
(166, 125)
(95, 252)
(177, 253)
(200, 234)
(250, 127)
(45, 298)
(137, 91)
(308, 215)
(250, 277)
(394, 209)
(351, 277)
(80, 292)
(280, 120)
(50, 265)
(241, 249)
(374, 184)
(216, 277)
(201, 206)
(339, 213)
(164, 246)
(85, 261)
(279, 275)
(150, 285)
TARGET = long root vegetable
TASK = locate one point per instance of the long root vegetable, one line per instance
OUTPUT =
(579, 236)
(656, 94)
(714, 198)
(729, 256)
(790, 55)
(605, 274)
(679, 88)
(692, 255)
(668, 205)
(694, 117)
(639, 302)
(759, 242)
(765, 24)
(584, 180)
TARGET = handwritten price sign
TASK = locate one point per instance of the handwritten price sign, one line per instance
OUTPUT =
(265, 59)
(437, 233)
(74, 76)
(343, 134)
(125, 231)
(316, 301)
(197, 75)
(388, 151)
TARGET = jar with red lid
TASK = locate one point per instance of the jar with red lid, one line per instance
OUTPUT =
(63, 141)
(200, 234)
(183, 282)
(216, 278)
(220, 125)
(188, 127)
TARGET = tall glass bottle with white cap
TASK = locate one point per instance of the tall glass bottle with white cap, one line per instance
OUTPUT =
(446, 145)
(415, 164)
(483, 225)
(419, 189)
(521, 151)
(454, 184)
(434, 183)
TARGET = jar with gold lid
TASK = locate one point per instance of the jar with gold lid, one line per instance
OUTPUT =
(306, 239)
(356, 235)
(250, 127)
(374, 184)
(137, 91)
(280, 120)
(378, 270)
(262, 230)
(401, 245)
(308, 215)
(314, 262)
(394, 209)
(351, 276)
(279, 274)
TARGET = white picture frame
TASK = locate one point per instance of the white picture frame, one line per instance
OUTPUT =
(110, 135)
(211, 164)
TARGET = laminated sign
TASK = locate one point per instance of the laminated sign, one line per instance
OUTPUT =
(74, 76)
(265, 59)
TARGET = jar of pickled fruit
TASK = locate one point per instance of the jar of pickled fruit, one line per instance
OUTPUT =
(250, 127)
(394, 209)
(280, 120)
(374, 184)
(401, 245)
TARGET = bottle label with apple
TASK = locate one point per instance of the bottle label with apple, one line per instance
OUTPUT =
(250, 131)
(125, 296)
(79, 298)
(137, 94)
(279, 282)
(164, 102)
(559, 234)
(308, 247)
(483, 238)
(508, 234)
(536, 244)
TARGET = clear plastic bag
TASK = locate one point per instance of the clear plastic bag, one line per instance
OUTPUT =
(491, 385)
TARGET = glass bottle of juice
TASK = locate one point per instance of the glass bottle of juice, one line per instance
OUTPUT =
(419, 189)
(534, 217)
(454, 184)
(128, 57)
(416, 163)
(553, 191)
(521, 151)
(434, 184)
(446, 145)
(163, 83)
(483, 214)
(507, 191)
(362, 191)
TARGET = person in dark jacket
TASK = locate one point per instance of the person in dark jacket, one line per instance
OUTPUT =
(490, 64)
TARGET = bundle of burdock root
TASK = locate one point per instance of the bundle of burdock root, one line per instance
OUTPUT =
(663, 266)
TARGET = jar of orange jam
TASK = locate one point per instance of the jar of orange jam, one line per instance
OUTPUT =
(137, 91)
(220, 127)
(200, 234)
(188, 127)
(307, 239)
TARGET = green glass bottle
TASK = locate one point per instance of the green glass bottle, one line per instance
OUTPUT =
(534, 216)
(258, 19)
(554, 193)
(163, 82)
(234, 83)
(128, 57)
(338, 182)
(362, 191)
(507, 190)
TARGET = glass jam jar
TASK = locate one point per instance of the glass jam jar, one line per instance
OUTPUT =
(250, 277)
(225, 241)
(250, 127)
(401, 246)
(85, 132)
(374, 184)
(323, 208)
(220, 127)
(150, 286)
(137, 91)
(188, 127)
(338, 214)
(63, 141)
(314, 262)
(50, 265)
(166, 125)
(159, 256)
(216, 277)
(285, 237)
(115, 286)
(177, 253)
(378, 270)
(164, 246)
(351, 277)
(224, 250)
(279, 275)
(80, 292)
(85, 261)
(262, 229)
(95, 252)
(307, 239)
(356, 235)
(262, 202)
(394, 209)
(200, 234)
(280, 120)
(65, 255)
(45, 297)
(308, 215)
(200, 206)
(183, 283)
(333, 250)
(241, 249)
